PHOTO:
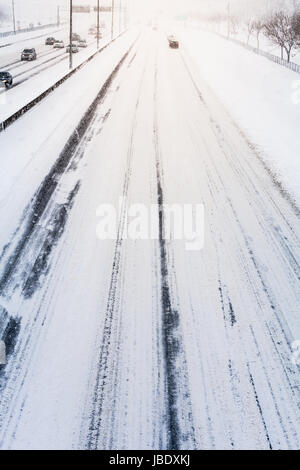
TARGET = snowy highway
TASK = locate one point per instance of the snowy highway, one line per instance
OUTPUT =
(142, 344)
(30, 78)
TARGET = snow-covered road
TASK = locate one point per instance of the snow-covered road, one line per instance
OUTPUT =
(141, 344)
(31, 78)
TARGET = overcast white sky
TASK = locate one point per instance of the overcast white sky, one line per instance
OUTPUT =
(140, 6)
(41, 9)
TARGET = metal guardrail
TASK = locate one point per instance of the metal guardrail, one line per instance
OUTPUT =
(11, 119)
(27, 30)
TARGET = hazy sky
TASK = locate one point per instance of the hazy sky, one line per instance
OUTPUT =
(40, 9)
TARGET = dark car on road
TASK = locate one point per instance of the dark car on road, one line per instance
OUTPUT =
(75, 48)
(6, 79)
(29, 54)
(50, 41)
(173, 42)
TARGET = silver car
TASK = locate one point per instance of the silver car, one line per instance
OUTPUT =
(59, 45)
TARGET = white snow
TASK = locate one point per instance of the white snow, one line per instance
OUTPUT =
(169, 120)
(261, 96)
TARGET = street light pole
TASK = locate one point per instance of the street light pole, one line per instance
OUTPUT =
(13, 14)
(71, 36)
(58, 16)
(126, 13)
(112, 18)
(98, 23)
(120, 17)
(228, 25)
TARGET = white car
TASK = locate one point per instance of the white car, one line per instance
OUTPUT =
(59, 45)
(82, 43)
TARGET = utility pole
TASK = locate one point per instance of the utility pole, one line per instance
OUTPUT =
(98, 23)
(13, 14)
(228, 24)
(112, 18)
(126, 15)
(71, 36)
(120, 17)
(58, 15)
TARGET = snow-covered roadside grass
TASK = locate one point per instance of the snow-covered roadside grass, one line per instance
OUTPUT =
(262, 97)
(242, 35)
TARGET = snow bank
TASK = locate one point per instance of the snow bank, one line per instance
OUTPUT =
(261, 96)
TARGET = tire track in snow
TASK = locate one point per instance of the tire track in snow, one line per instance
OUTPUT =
(110, 337)
(44, 194)
(44, 210)
(282, 331)
(180, 428)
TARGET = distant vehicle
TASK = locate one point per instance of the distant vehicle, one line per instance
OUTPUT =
(93, 30)
(74, 48)
(6, 79)
(98, 36)
(173, 43)
(76, 37)
(82, 43)
(50, 41)
(59, 45)
(29, 54)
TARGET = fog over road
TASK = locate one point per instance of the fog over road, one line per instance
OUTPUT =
(142, 344)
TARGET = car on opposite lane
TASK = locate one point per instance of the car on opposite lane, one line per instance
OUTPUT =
(50, 41)
(29, 54)
(6, 79)
(76, 37)
(75, 48)
(82, 43)
(59, 45)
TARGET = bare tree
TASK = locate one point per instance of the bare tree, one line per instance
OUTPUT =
(258, 28)
(234, 24)
(250, 25)
(281, 30)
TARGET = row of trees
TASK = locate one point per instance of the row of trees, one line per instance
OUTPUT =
(281, 27)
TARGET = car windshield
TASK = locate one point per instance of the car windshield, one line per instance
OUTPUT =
(28, 51)
(4, 75)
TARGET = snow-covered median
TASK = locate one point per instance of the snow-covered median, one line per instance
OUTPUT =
(263, 98)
